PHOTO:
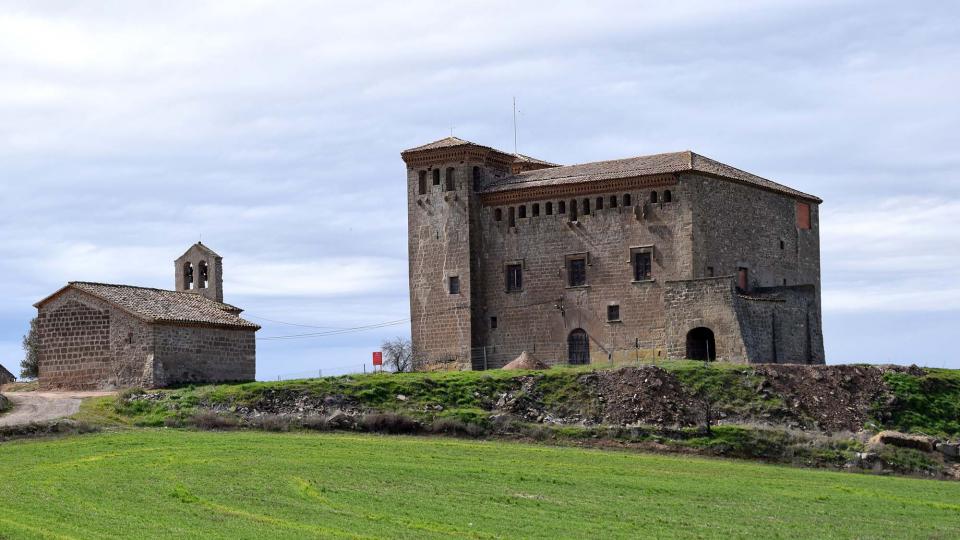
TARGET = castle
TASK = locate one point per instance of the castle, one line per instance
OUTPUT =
(103, 336)
(663, 256)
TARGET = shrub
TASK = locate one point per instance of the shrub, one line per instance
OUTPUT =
(316, 422)
(389, 423)
(209, 420)
(448, 426)
(272, 422)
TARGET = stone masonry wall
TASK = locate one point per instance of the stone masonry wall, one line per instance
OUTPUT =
(781, 325)
(86, 344)
(193, 354)
(439, 248)
(533, 320)
(705, 302)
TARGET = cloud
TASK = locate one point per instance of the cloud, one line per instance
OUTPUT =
(128, 130)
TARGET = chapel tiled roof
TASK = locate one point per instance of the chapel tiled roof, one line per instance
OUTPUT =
(674, 162)
(163, 306)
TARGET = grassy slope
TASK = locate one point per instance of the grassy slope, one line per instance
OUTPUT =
(183, 484)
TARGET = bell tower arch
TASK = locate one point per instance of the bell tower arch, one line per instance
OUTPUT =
(200, 270)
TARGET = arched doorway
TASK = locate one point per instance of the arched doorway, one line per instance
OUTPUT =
(578, 347)
(701, 345)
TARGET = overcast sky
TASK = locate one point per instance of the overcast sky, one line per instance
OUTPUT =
(273, 129)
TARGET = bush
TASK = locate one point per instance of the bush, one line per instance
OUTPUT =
(316, 422)
(272, 422)
(209, 420)
(389, 423)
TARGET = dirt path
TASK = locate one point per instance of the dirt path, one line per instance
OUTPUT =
(42, 406)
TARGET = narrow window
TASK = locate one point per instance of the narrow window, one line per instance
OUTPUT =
(667, 196)
(523, 210)
(784, 282)
(562, 207)
(204, 275)
(477, 178)
(493, 323)
(577, 272)
(782, 244)
(613, 313)
(599, 203)
(549, 208)
(454, 283)
(803, 215)
(511, 217)
(709, 271)
(743, 282)
(536, 209)
(626, 199)
(450, 185)
(654, 196)
(514, 278)
(573, 210)
(613, 201)
(436, 177)
(188, 275)
(422, 183)
(586, 207)
(498, 215)
(642, 266)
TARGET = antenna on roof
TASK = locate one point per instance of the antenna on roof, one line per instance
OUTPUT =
(514, 124)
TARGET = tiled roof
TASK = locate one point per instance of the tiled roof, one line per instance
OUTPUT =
(160, 305)
(674, 162)
(446, 142)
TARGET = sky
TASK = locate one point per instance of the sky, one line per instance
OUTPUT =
(272, 130)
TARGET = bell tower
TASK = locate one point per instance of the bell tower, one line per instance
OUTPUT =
(200, 271)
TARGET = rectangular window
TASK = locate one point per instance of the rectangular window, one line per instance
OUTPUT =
(511, 217)
(561, 207)
(422, 183)
(454, 284)
(514, 278)
(599, 203)
(743, 279)
(450, 185)
(642, 265)
(577, 272)
(803, 215)
(549, 209)
(493, 323)
(535, 209)
(523, 210)
(613, 313)
(436, 177)
(709, 271)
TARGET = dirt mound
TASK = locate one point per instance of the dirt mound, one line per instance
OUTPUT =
(526, 361)
(831, 398)
(643, 395)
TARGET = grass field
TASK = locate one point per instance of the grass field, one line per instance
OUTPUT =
(185, 484)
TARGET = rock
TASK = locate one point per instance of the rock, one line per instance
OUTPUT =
(526, 361)
(340, 420)
(950, 450)
(903, 440)
(401, 397)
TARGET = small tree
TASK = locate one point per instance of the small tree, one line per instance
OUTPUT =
(30, 366)
(398, 354)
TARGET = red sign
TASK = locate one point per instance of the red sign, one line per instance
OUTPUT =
(378, 358)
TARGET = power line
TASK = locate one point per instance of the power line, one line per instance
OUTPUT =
(295, 324)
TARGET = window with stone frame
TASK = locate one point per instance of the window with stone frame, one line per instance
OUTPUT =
(586, 207)
(511, 217)
(626, 200)
(422, 183)
(599, 203)
(642, 260)
(535, 209)
(453, 283)
(450, 185)
(548, 209)
(436, 177)
(613, 201)
(523, 211)
(514, 277)
(577, 271)
(613, 313)
(493, 323)
(498, 215)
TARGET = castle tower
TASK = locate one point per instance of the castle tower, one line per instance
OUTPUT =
(444, 180)
(200, 270)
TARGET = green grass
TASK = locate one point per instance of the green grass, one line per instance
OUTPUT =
(183, 484)
(928, 404)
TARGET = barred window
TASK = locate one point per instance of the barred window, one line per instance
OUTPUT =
(514, 278)
(577, 272)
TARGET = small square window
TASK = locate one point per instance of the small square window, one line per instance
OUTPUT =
(613, 313)
(493, 323)
(454, 284)
(577, 272)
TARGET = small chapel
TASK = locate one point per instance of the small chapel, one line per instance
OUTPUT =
(95, 336)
